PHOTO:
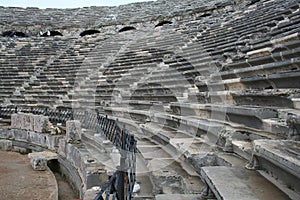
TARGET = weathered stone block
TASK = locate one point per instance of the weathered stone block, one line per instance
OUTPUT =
(38, 164)
(62, 149)
(95, 177)
(38, 160)
(31, 128)
(15, 121)
(5, 145)
(28, 122)
(41, 124)
(73, 131)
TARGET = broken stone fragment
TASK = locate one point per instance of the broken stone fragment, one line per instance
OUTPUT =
(6, 145)
(228, 147)
(293, 122)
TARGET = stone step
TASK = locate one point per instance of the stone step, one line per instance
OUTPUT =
(230, 159)
(248, 116)
(242, 148)
(177, 197)
(231, 183)
(182, 142)
(279, 158)
(281, 185)
(100, 151)
(171, 172)
(171, 178)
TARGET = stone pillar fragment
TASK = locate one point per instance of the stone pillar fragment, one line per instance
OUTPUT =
(73, 131)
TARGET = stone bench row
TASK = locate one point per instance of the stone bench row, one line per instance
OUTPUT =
(162, 124)
(34, 102)
(288, 41)
(289, 45)
(282, 80)
(252, 117)
(260, 16)
(214, 43)
(282, 63)
(285, 98)
(198, 125)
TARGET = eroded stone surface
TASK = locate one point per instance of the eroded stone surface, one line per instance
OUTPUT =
(30, 122)
(231, 183)
(5, 145)
(284, 153)
(38, 160)
(73, 131)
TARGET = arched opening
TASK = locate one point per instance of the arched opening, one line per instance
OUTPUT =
(14, 34)
(88, 32)
(51, 33)
(163, 23)
(253, 2)
(205, 15)
(127, 28)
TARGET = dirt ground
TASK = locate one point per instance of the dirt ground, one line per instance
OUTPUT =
(18, 181)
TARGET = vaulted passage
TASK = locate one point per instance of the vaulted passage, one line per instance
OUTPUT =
(51, 33)
(127, 28)
(163, 23)
(14, 34)
(89, 32)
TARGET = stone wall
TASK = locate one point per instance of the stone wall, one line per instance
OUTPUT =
(30, 122)
(34, 19)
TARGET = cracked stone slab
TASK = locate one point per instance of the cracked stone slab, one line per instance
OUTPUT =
(283, 153)
(232, 183)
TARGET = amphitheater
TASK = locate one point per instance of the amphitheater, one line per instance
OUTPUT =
(207, 94)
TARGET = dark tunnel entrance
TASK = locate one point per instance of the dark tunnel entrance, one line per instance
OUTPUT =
(51, 33)
(88, 32)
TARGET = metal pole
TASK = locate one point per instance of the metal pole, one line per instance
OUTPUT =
(121, 185)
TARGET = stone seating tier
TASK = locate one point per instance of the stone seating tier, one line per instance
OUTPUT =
(212, 85)
(221, 181)
(264, 98)
(278, 158)
(284, 80)
(264, 59)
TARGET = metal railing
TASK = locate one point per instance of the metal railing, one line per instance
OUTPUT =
(121, 184)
